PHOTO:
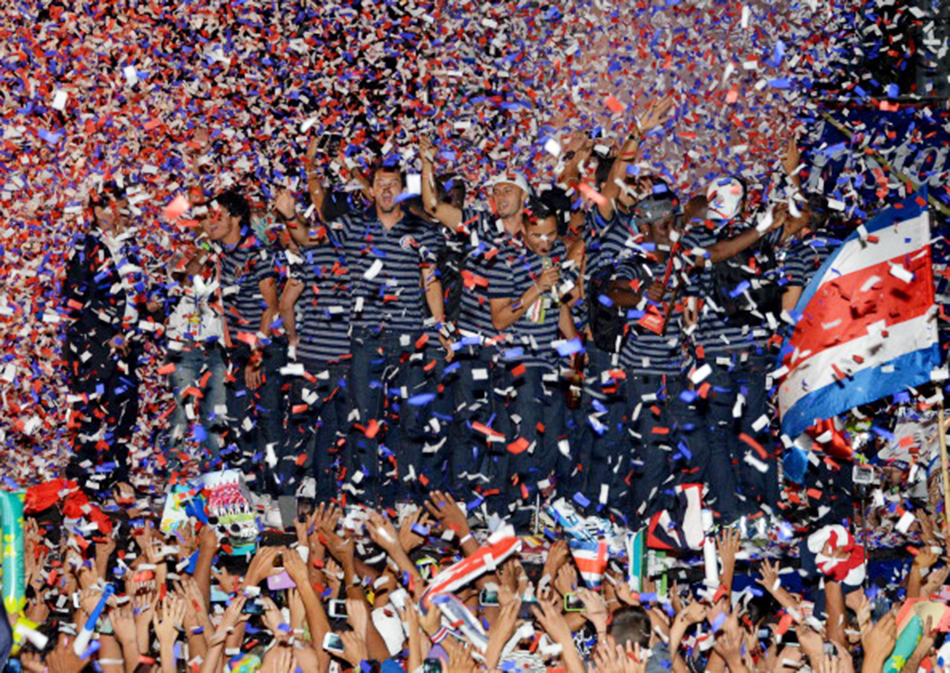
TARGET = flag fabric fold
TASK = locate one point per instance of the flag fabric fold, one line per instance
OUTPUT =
(866, 322)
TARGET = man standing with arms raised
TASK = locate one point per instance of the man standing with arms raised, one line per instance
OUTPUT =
(392, 266)
(486, 235)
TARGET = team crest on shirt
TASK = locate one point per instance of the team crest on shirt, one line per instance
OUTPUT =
(407, 242)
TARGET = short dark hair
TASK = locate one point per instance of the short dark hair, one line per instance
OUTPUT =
(108, 193)
(631, 625)
(604, 166)
(448, 184)
(387, 167)
(536, 210)
(234, 202)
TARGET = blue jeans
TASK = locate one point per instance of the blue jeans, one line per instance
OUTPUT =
(207, 424)
(385, 450)
(316, 431)
(602, 445)
(474, 459)
(536, 412)
(722, 452)
(664, 424)
(256, 416)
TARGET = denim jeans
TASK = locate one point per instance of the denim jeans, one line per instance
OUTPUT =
(256, 417)
(474, 459)
(736, 485)
(207, 402)
(316, 431)
(104, 420)
(662, 427)
(388, 390)
(536, 413)
(603, 445)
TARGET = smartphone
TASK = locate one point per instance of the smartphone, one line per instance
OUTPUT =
(432, 666)
(252, 606)
(337, 609)
(572, 603)
(280, 582)
(488, 598)
(333, 643)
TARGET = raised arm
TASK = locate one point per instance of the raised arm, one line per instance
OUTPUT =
(629, 151)
(447, 214)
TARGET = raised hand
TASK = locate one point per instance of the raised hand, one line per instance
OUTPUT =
(656, 113)
(595, 608)
(382, 532)
(447, 512)
(354, 648)
(409, 539)
(792, 157)
(63, 659)
(548, 613)
(285, 204)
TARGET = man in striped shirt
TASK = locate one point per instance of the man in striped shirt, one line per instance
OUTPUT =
(248, 282)
(315, 310)
(732, 407)
(653, 357)
(531, 306)
(478, 458)
(391, 262)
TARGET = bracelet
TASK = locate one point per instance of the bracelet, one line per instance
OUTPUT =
(439, 635)
(111, 662)
(285, 218)
(465, 539)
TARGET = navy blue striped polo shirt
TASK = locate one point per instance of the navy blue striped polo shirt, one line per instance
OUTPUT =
(644, 351)
(714, 332)
(386, 269)
(243, 268)
(531, 337)
(322, 312)
(485, 242)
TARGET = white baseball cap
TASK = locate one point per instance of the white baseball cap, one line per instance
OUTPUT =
(511, 178)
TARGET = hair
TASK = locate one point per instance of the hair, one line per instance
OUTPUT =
(604, 166)
(236, 205)
(108, 193)
(536, 210)
(819, 213)
(449, 184)
(631, 625)
(384, 167)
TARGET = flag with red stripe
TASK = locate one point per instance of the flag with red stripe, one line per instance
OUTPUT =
(500, 546)
(867, 325)
(591, 557)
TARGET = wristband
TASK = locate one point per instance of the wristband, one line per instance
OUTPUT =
(111, 662)
(465, 539)
(439, 635)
